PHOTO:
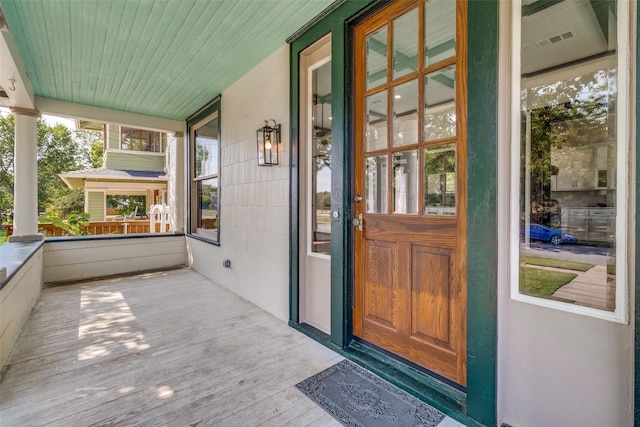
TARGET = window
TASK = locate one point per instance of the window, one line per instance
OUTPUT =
(572, 145)
(320, 157)
(204, 148)
(142, 140)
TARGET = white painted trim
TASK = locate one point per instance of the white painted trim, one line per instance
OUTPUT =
(109, 177)
(136, 152)
(115, 185)
(55, 107)
(625, 166)
(503, 191)
(320, 54)
(12, 68)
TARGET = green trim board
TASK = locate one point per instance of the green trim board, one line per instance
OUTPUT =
(441, 396)
(636, 404)
(478, 405)
(482, 242)
(335, 23)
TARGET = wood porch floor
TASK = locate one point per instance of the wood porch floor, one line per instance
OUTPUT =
(167, 348)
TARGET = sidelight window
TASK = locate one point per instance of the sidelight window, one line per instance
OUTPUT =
(570, 150)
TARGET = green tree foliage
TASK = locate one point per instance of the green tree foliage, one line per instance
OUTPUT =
(58, 151)
(91, 142)
(74, 225)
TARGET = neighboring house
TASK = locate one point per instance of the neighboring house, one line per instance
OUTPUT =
(133, 165)
(440, 128)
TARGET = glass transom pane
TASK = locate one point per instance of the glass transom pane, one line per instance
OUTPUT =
(439, 31)
(440, 180)
(405, 44)
(377, 58)
(440, 104)
(405, 182)
(376, 184)
(376, 133)
(405, 113)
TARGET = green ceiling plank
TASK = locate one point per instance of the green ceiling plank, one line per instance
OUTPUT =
(121, 53)
(135, 68)
(130, 50)
(112, 23)
(171, 21)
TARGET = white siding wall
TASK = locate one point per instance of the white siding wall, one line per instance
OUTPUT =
(17, 299)
(254, 228)
(84, 259)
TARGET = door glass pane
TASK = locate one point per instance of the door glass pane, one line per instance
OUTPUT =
(376, 184)
(439, 31)
(440, 104)
(376, 134)
(568, 196)
(405, 44)
(321, 160)
(440, 180)
(405, 182)
(405, 113)
(377, 58)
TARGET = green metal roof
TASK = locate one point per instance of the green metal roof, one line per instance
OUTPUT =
(163, 58)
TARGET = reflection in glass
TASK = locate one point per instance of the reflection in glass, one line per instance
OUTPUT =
(376, 184)
(440, 180)
(440, 104)
(376, 133)
(405, 182)
(207, 149)
(207, 193)
(405, 113)
(377, 58)
(568, 199)
(321, 160)
(405, 44)
(439, 31)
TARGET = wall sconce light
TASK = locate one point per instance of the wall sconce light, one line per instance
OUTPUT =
(268, 140)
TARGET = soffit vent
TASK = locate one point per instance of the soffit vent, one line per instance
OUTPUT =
(556, 39)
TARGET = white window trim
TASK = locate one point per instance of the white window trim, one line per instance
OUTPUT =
(625, 158)
(313, 61)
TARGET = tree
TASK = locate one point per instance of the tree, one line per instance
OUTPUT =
(91, 142)
(57, 152)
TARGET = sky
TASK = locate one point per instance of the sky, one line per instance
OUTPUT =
(50, 120)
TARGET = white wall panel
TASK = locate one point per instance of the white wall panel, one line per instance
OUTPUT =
(254, 227)
(17, 299)
(84, 259)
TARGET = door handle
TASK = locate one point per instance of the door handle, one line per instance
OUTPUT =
(357, 222)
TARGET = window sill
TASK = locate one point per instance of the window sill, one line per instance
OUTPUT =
(617, 316)
(203, 239)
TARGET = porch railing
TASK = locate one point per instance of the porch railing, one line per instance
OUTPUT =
(99, 227)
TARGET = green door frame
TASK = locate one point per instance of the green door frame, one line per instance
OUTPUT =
(478, 405)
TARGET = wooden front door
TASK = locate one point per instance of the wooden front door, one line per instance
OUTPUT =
(410, 183)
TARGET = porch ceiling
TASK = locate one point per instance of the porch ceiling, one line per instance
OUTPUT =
(158, 58)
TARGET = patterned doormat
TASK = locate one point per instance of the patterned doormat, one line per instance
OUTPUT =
(356, 397)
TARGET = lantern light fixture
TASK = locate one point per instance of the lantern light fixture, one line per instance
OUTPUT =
(268, 138)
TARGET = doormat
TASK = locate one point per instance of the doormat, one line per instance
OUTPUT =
(356, 397)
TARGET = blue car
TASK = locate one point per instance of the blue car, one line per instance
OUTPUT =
(551, 235)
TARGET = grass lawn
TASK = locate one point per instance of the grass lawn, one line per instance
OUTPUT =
(3, 236)
(542, 283)
(557, 263)
(611, 269)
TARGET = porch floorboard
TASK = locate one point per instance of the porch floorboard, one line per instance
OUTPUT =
(166, 348)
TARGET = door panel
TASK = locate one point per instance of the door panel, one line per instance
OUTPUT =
(410, 184)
